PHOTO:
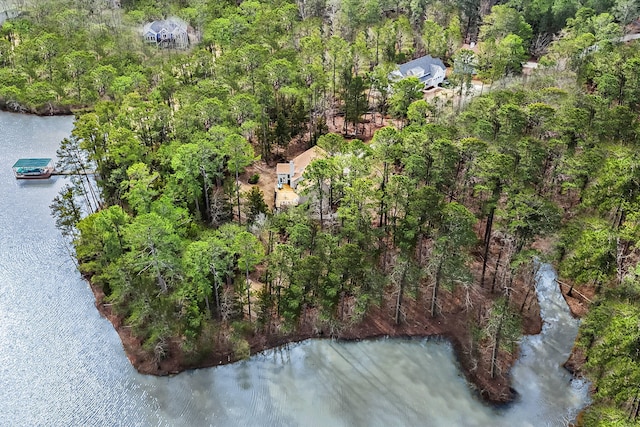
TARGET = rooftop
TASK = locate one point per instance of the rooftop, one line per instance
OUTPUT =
(424, 63)
(301, 162)
(32, 163)
(168, 24)
(282, 168)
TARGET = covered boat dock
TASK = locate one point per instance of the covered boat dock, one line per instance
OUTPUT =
(33, 168)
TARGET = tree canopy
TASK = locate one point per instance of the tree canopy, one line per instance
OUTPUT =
(431, 218)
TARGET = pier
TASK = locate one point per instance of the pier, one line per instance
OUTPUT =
(42, 168)
(68, 173)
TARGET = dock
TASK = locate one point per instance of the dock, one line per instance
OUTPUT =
(42, 168)
(33, 168)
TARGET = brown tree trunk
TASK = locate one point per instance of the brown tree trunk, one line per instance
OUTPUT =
(385, 172)
(436, 285)
(496, 346)
(238, 195)
(495, 273)
(524, 301)
(400, 295)
(487, 241)
(248, 291)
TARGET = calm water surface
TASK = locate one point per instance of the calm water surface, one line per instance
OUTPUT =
(62, 364)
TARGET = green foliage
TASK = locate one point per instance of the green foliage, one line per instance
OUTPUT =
(433, 38)
(355, 100)
(504, 326)
(419, 112)
(253, 179)
(504, 21)
(156, 343)
(530, 216)
(606, 416)
(404, 93)
(169, 134)
(66, 211)
(502, 329)
(591, 258)
(197, 351)
(611, 337)
(241, 348)
(139, 190)
(255, 204)
(195, 290)
(502, 57)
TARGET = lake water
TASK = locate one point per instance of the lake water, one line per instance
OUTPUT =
(62, 364)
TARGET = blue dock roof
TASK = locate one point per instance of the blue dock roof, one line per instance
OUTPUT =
(32, 163)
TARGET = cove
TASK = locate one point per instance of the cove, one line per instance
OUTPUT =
(61, 363)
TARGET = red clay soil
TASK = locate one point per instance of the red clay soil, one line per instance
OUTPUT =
(578, 303)
(453, 323)
(579, 299)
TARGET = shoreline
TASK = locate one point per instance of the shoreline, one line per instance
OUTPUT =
(450, 326)
(376, 324)
(44, 111)
(578, 304)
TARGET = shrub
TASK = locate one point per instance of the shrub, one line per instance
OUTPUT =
(241, 348)
(254, 178)
(242, 328)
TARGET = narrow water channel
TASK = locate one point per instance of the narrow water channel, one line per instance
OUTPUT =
(63, 364)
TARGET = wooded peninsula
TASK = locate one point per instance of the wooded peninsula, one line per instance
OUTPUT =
(265, 174)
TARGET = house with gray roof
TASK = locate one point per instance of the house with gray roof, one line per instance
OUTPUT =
(169, 33)
(429, 70)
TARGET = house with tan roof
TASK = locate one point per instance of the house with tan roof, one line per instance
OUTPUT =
(289, 176)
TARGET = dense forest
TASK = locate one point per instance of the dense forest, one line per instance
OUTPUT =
(438, 217)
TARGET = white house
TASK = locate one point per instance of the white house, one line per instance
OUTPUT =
(172, 32)
(429, 70)
(289, 175)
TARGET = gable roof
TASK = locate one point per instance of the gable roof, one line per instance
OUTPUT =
(170, 25)
(420, 65)
(300, 162)
(303, 160)
(283, 169)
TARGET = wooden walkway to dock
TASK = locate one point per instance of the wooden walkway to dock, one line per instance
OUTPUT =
(68, 173)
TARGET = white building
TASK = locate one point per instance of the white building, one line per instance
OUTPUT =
(290, 174)
(429, 70)
(170, 33)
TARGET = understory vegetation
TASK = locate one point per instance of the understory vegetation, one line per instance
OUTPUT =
(440, 210)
